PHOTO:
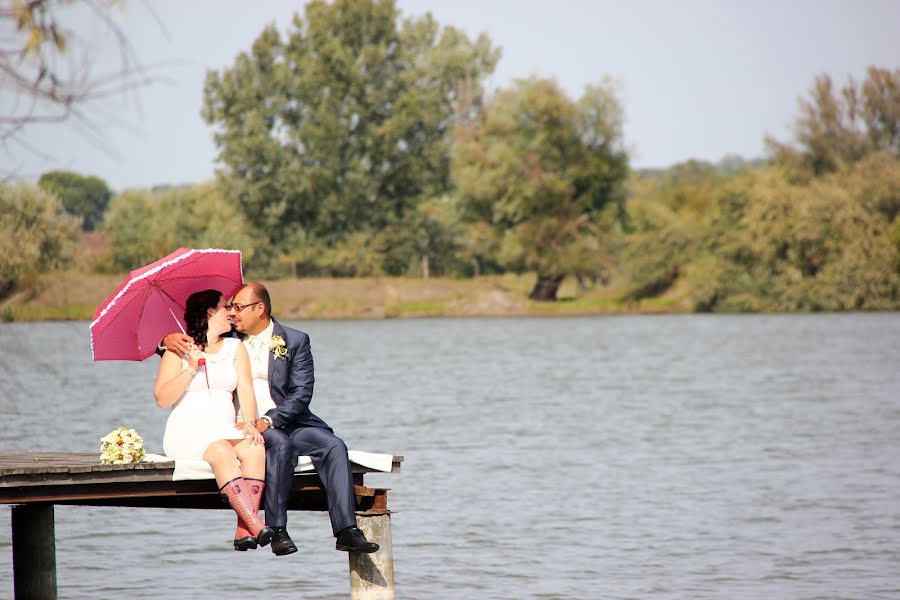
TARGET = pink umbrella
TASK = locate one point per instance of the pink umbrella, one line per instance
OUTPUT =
(150, 303)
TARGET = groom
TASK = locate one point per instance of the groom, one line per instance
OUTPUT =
(282, 364)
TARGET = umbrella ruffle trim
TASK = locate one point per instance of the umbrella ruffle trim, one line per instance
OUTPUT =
(153, 271)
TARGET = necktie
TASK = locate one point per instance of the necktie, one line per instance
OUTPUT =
(256, 359)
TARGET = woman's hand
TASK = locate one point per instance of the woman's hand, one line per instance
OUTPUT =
(249, 429)
(194, 355)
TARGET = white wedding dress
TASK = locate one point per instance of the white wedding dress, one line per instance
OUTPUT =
(204, 413)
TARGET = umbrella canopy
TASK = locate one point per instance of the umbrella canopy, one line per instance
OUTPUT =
(150, 302)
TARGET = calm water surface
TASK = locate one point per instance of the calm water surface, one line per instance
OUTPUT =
(621, 457)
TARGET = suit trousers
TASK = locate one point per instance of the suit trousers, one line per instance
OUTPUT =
(329, 456)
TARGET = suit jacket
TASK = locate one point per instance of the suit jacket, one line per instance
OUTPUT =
(291, 380)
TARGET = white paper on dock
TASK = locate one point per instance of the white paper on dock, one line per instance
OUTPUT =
(200, 469)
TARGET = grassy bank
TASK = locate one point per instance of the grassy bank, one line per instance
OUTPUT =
(75, 296)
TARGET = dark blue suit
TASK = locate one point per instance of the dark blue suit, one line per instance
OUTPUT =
(298, 432)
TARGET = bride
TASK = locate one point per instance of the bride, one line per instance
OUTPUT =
(202, 424)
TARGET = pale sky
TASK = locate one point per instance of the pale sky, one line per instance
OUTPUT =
(698, 78)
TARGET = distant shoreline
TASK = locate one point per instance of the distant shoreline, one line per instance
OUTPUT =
(74, 296)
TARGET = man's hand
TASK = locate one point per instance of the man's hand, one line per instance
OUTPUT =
(261, 425)
(178, 343)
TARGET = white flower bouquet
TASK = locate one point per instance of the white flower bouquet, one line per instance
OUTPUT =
(121, 447)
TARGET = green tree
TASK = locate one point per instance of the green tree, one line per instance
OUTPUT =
(541, 169)
(772, 245)
(342, 127)
(666, 215)
(36, 236)
(85, 197)
(426, 242)
(479, 248)
(838, 127)
(137, 230)
(894, 237)
(654, 255)
(142, 226)
(875, 180)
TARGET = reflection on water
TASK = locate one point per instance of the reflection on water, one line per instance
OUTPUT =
(619, 457)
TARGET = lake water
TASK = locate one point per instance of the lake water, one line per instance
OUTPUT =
(610, 457)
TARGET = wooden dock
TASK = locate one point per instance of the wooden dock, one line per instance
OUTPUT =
(35, 482)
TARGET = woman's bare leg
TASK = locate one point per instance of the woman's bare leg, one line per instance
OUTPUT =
(223, 459)
(252, 458)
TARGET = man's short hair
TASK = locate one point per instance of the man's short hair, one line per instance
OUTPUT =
(261, 294)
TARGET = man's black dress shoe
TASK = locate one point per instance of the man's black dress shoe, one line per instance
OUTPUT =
(352, 539)
(282, 543)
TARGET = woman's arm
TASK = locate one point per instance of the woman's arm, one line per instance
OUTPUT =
(172, 379)
(246, 395)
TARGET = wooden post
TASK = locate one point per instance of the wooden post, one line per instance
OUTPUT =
(34, 551)
(372, 575)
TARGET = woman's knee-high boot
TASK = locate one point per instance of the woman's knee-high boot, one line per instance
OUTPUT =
(242, 539)
(239, 494)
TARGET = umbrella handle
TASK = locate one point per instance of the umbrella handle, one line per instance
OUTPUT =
(177, 322)
(202, 363)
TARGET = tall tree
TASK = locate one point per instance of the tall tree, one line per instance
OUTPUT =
(344, 124)
(36, 236)
(839, 127)
(541, 168)
(84, 197)
(141, 226)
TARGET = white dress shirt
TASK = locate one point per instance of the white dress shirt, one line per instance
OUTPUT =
(258, 348)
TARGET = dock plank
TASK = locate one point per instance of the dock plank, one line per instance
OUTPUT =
(80, 478)
(34, 482)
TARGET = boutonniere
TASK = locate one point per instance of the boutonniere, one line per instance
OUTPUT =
(278, 347)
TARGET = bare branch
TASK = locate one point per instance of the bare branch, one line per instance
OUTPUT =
(48, 74)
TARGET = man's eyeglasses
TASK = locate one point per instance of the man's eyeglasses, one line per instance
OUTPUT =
(239, 307)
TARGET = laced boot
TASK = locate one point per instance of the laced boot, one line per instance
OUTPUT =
(239, 494)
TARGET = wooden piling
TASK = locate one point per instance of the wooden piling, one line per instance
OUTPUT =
(34, 552)
(372, 575)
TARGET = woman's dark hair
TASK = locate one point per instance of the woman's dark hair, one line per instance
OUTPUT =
(196, 313)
